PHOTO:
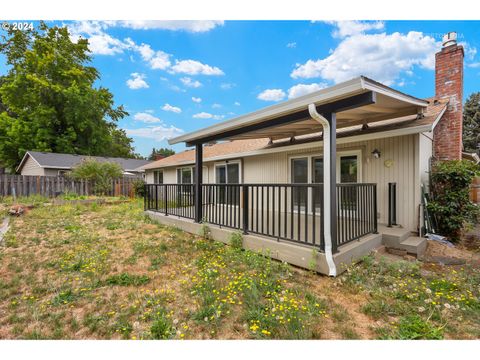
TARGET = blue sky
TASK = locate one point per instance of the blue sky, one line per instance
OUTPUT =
(175, 77)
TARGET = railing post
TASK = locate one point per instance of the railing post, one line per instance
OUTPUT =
(392, 204)
(375, 220)
(156, 197)
(198, 182)
(165, 198)
(245, 208)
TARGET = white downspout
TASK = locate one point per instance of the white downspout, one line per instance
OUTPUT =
(312, 109)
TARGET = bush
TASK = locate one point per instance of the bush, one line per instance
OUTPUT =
(236, 240)
(100, 173)
(450, 202)
(138, 187)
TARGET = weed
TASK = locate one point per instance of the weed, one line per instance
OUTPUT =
(126, 279)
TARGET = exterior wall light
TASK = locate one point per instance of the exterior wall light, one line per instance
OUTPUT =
(376, 154)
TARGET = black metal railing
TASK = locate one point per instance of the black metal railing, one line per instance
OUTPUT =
(286, 212)
(171, 199)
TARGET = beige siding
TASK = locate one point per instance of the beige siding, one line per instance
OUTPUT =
(401, 150)
(31, 167)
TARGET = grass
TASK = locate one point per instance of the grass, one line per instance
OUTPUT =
(108, 272)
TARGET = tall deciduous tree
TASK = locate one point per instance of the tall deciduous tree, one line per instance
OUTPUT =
(471, 123)
(49, 101)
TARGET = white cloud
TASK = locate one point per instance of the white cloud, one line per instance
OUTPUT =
(175, 109)
(227, 86)
(292, 45)
(216, 106)
(146, 118)
(194, 26)
(99, 42)
(196, 99)
(193, 67)
(190, 83)
(474, 65)
(137, 81)
(158, 133)
(236, 103)
(271, 95)
(380, 56)
(353, 27)
(303, 89)
(156, 59)
(205, 115)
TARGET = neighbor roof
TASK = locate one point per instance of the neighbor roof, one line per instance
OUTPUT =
(239, 148)
(68, 161)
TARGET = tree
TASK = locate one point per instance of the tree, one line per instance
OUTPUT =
(162, 151)
(471, 123)
(49, 101)
(99, 173)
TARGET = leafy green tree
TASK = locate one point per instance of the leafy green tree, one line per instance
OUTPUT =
(162, 151)
(471, 123)
(49, 101)
(99, 173)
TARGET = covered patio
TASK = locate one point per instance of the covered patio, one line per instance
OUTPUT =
(324, 215)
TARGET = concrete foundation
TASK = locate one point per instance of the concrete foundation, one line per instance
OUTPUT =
(292, 253)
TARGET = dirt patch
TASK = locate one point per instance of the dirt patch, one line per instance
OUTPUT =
(447, 255)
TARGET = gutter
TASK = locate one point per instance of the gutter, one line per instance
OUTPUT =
(326, 186)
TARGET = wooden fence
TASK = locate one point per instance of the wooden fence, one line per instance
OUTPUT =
(51, 186)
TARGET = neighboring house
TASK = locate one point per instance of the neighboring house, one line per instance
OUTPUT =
(315, 171)
(53, 164)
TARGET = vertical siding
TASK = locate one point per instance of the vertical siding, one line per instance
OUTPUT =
(274, 168)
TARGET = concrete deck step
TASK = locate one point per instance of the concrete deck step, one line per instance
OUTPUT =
(414, 245)
(392, 237)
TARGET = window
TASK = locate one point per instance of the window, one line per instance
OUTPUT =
(61, 173)
(158, 176)
(185, 175)
(228, 173)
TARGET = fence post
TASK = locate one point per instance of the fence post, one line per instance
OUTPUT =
(245, 208)
(165, 202)
(392, 204)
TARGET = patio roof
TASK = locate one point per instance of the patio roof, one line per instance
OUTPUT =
(356, 102)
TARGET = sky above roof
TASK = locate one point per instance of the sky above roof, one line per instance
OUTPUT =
(179, 76)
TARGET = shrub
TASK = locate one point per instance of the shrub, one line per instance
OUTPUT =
(138, 187)
(99, 173)
(450, 196)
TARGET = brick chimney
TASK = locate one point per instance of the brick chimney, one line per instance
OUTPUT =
(159, 157)
(449, 85)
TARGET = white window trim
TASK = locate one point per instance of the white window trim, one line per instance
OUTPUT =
(223, 163)
(205, 173)
(181, 168)
(311, 156)
(154, 175)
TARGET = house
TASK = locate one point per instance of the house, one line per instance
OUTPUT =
(53, 164)
(340, 170)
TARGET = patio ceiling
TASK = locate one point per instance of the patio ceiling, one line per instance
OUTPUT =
(355, 102)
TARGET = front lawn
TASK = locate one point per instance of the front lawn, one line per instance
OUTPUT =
(108, 272)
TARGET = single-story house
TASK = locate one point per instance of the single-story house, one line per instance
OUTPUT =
(54, 164)
(340, 170)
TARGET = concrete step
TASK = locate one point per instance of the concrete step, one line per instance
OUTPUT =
(414, 245)
(392, 237)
